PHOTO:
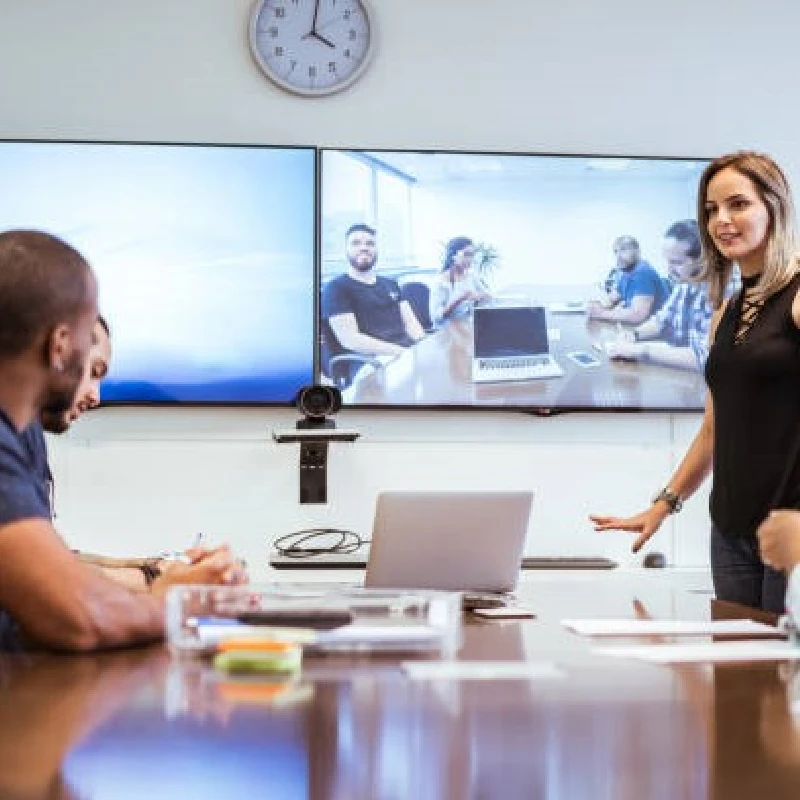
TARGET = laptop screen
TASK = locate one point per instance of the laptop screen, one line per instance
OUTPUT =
(503, 332)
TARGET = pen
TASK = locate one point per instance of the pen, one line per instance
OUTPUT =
(181, 556)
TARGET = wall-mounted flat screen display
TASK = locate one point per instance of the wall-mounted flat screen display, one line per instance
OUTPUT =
(511, 280)
(204, 257)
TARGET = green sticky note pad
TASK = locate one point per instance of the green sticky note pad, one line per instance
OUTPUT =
(253, 661)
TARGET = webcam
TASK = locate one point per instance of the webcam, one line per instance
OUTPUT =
(316, 403)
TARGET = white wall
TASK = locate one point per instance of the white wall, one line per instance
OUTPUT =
(692, 78)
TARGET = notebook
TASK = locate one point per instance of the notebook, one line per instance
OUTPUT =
(511, 344)
(457, 540)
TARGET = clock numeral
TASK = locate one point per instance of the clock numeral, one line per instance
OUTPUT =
(332, 67)
(278, 51)
(280, 12)
(273, 31)
(292, 64)
(347, 12)
(352, 35)
(312, 71)
(347, 53)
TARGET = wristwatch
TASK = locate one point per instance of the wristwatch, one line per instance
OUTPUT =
(151, 571)
(672, 499)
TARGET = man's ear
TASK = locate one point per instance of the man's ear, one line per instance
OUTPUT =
(58, 346)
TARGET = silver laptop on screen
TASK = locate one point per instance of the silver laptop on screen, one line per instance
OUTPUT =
(458, 540)
(511, 344)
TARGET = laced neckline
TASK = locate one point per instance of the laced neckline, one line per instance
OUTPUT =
(749, 281)
(750, 308)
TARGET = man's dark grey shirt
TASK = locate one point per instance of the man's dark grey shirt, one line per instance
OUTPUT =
(24, 488)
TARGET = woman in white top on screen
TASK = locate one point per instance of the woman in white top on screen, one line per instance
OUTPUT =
(458, 288)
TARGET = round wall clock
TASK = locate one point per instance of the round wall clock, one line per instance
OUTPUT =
(311, 47)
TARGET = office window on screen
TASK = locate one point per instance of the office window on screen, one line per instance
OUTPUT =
(360, 188)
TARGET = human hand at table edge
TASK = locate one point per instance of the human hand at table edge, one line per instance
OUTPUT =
(779, 539)
(644, 524)
(217, 566)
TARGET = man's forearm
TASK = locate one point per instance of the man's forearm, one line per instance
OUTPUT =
(130, 577)
(669, 356)
(369, 345)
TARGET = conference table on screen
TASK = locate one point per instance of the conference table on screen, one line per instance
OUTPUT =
(144, 724)
(438, 369)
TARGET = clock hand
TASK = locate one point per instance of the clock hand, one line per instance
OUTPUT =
(314, 21)
(324, 40)
(319, 38)
(313, 31)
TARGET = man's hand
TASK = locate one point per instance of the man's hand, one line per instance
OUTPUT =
(623, 349)
(217, 566)
(779, 539)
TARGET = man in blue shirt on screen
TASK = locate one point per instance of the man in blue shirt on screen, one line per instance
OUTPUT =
(634, 290)
(677, 336)
(364, 311)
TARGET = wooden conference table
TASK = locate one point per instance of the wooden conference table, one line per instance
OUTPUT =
(438, 369)
(140, 725)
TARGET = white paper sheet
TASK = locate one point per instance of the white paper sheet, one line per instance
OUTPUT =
(706, 652)
(670, 627)
(481, 670)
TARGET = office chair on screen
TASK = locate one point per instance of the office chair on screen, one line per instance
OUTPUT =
(340, 366)
(418, 296)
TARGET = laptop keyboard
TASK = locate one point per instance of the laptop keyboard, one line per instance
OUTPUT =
(517, 368)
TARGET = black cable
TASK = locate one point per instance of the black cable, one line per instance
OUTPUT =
(293, 545)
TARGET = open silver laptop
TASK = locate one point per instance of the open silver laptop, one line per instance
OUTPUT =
(459, 540)
(510, 344)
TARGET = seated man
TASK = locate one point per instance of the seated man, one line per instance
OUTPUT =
(139, 574)
(48, 308)
(634, 290)
(365, 311)
(779, 543)
(681, 326)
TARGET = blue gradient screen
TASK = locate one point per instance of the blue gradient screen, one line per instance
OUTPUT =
(204, 257)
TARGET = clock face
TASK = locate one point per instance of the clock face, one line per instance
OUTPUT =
(311, 47)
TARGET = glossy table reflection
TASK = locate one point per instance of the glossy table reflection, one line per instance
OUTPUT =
(142, 725)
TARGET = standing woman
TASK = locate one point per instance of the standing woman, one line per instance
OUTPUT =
(458, 287)
(750, 434)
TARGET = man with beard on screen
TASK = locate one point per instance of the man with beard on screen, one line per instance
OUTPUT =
(48, 597)
(365, 311)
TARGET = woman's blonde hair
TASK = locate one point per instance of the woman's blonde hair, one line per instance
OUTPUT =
(780, 260)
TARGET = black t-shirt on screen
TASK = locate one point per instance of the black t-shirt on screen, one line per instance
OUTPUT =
(376, 307)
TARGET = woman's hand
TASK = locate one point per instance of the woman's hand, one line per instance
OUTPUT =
(644, 524)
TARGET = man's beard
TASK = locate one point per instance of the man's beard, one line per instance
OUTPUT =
(60, 398)
(53, 422)
(360, 266)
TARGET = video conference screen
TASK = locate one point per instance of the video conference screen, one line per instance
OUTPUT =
(204, 257)
(423, 254)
